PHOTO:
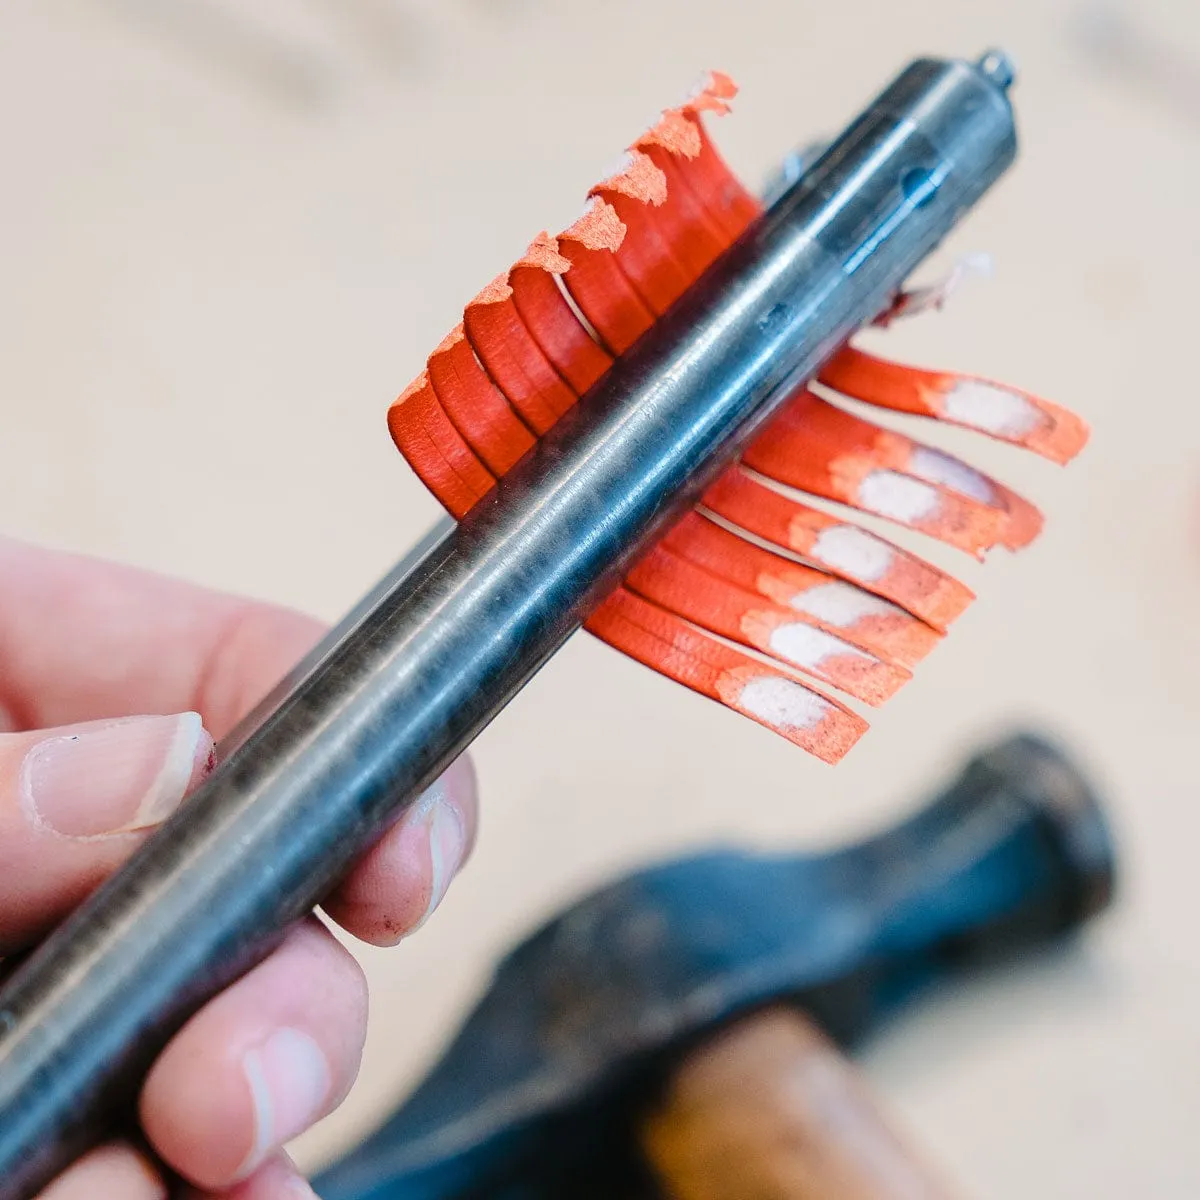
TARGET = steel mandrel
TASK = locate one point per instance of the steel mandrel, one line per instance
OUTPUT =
(699, 364)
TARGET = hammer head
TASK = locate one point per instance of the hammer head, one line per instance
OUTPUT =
(535, 1096)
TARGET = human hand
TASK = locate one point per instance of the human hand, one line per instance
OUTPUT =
(86, 648)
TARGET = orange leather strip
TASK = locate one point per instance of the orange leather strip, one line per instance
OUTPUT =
(636, 193)
(597, 284)
(857, 617)
(695, 237)
(514, 360)
(839, 547)
(436, 450)
(818, 448)
(999, 411)
(551, 320)
(743, 616)
(478, 409)
(771, 697)
(724, 197)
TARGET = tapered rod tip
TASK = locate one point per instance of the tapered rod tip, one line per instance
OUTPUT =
(999, 68)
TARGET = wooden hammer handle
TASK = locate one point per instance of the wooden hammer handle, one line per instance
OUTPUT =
(770, 1110)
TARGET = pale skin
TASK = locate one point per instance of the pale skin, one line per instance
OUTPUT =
(83, 642)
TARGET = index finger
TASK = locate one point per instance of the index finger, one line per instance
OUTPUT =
(115, 1172)
(82, 639)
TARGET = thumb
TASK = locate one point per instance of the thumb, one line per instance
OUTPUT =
(76, 801)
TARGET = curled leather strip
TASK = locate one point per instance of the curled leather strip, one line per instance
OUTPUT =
(514, 360)
(714, 603)
(596, 282)
(770, 696)
(1002, 412)
(815, 597)
(436, 450)
(839, 547)
(758, 585)
(824, 450)
(543, 307)
(475, 406)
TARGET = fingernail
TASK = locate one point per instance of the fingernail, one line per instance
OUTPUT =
(115, 777)
(289, 1083)
(295, 1185)
(447, 848)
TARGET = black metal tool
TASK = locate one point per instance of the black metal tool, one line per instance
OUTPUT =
(536, 1097)
(433, 654)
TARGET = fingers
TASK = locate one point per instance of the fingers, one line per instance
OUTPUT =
(118, 1172)
(279, 1049)
(152, 644)
(394, 890)
(76, 801)
(278, 1179)
(114, 1172)
(261, 1063)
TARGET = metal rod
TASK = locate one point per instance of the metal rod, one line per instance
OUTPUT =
(439, 648)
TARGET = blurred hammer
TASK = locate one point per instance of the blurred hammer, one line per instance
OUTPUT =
(675, 1034)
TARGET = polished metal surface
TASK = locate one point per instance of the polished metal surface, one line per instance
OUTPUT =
(437, 650)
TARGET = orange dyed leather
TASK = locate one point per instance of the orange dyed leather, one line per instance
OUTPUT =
(523, 357)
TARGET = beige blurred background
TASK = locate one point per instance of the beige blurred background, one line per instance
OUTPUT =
(229, 235)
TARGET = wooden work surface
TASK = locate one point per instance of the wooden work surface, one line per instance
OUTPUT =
(223, 249)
